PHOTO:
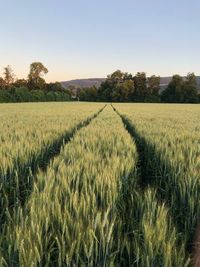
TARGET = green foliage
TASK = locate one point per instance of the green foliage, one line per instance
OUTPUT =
(36, 84)
(35, 81)
(32, 90)
(2, 83)
(54, 87)
(189, 89)
(88, 94)
(23, 94)
(123, 91)
(8, 75)
(140, 82)
(117, 87)
(123, 87)
(20, 83)
(37, 69)
(181, 91)
(153, 85)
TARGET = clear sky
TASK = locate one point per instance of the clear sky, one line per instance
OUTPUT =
(92, 38)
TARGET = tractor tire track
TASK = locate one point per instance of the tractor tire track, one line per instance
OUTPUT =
(148, 176)
(30, 170)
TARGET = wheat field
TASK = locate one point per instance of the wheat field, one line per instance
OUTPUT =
(94, 184)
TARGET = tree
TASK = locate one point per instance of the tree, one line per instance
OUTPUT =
(117, 87)
(88, 94)
(116, 76)
(35, 80)
(54, 87)
(2, 83)
(8, 75)
(173, 92)
(20, 83)
(73, 91)
(189, 89)
(20, 94)
(92, 93)
(37, 69)
(140, 82)
(153, 85)
(36, 84)
(123, 91)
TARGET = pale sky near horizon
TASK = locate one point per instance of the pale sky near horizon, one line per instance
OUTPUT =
(88, 38)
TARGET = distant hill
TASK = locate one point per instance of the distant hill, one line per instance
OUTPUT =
(81, 83)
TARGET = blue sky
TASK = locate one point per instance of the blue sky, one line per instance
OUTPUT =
(85, 38)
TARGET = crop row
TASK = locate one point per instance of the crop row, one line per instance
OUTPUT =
(170, 153)
(30, 135)
(112, 195)
(87, 208)
(70, 218)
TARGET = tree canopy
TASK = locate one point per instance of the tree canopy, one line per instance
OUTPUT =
(181, 90)
(118, 87)
(35, 80)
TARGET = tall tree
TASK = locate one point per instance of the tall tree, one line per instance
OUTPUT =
(108, 86)
(153, 85)
(37, 69)
(35, 80)
(116, 87)
(140, 82)
(189, 89)
(9, 76)
(173, 92)
(123, 91)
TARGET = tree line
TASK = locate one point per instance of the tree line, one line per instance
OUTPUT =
(32, 89)
(118, 87)
(124, 87)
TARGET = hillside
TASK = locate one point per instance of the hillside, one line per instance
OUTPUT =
(81, 83)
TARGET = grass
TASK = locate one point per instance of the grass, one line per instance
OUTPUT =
(30, 135)
(73, 205)
(122, 190)
(169, 136)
